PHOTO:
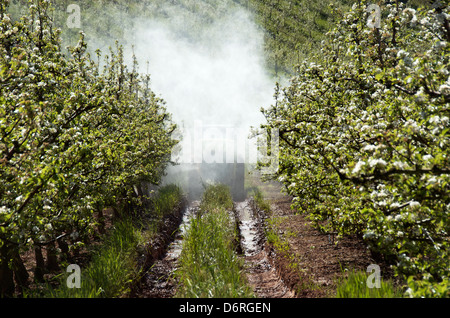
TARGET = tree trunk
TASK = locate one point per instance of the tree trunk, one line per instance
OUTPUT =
(64, 247)
(52, 258)
(40, 264)
(6, 274)
(101, 222)
(20, 272)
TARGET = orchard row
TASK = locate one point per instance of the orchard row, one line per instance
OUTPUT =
(77, 135)
(364, 138)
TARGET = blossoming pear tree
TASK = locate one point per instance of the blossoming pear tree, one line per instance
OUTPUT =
(364, 138)
(74, 138)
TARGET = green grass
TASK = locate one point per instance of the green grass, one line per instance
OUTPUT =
(113, 266)
(167, 199)
(355, 286)
(111, 269)
(215, 196)
(209, 265)
(260, 201)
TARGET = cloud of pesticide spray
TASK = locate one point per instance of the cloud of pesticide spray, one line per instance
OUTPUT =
(208, 65)
(206, 60)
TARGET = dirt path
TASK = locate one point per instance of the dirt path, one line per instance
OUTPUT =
(315, 261)
(159, 280)
(262, 274)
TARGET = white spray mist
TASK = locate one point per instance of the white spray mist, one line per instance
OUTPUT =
(206, 60)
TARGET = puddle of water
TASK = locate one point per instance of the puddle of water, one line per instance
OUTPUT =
(248, 228)
(160, 282)
(261, 274)
(175, 248)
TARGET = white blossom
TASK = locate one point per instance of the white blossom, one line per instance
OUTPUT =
(358, 167)
(440, 44)
(377, 163)
(414, 204)
(412, 125)
(74, 235)
(370, 148)
(369, 235)
(435, 119)
(444, 89)
(400, 164)
(427, 157)
(432, 181)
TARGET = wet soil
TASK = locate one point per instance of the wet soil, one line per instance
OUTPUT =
(310, 268)
(260, 265)
(161, 258)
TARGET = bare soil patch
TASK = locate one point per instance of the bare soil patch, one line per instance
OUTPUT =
(313, 264)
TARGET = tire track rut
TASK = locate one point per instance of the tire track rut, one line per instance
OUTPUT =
(262, 275)
(159, 280)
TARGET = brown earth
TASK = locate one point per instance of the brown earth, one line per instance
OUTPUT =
(313, 264)
(265, 276)
(261, 270)
(157, 262)
(309, 267)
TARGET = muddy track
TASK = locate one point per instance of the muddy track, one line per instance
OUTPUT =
(161, 257)
(262, 273)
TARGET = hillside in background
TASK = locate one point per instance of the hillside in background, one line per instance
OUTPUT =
(295, 29)
(292, 28)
